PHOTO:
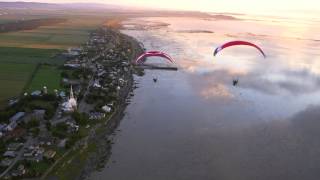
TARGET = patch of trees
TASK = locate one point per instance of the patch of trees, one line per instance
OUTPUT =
(29, 24)
(48, 102)
(71, 73)
(60, 130)
(49, 106)
(35, 132)
(73, 139)
(2, 146)
(96, 96)
(35, 169)
(33, 123)
(81, 118)
(6, 114)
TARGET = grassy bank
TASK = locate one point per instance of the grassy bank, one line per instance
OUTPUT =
(71, 165)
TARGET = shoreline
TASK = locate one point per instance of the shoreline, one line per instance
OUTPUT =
(102, 139)
(95, 148)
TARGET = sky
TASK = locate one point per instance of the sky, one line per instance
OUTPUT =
(240, 6)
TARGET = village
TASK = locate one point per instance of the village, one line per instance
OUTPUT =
(46, 123)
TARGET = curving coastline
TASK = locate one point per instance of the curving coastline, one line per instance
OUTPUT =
(101, 155)
(93, 150)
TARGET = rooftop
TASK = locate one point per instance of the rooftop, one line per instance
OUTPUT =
(17, 116)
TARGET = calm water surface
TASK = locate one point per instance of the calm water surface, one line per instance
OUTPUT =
(193, 124)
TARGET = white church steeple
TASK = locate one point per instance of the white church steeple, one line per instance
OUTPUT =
(71, 104)
(71, 93)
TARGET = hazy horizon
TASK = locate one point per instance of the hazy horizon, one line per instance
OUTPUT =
(308, 8)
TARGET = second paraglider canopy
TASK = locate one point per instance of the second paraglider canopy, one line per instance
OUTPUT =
(238, 43)
(143, 58)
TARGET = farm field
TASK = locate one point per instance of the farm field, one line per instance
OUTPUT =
(60, 36)
(22, 51)
(18, 64)
(13, 78)
(27, 55)
(48, 76)
(4, 20)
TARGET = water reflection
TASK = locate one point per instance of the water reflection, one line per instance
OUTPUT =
(194, 124)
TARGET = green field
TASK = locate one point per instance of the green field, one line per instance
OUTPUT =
(60, 36)
(28, 55)
(48, 76)
(22, 51)
(17, 66)
(13, 78)
(5, 21)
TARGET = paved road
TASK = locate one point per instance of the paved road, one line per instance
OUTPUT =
(83, 106)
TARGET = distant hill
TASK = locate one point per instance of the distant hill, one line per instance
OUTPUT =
(37, 5)
(224, 17)
(93, 6)
(27, 5)
(85, 7)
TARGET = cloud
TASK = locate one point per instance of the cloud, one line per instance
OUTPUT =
(216, 91)
(214, 83)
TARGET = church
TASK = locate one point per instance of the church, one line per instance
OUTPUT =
(71, 104)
